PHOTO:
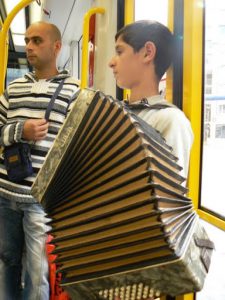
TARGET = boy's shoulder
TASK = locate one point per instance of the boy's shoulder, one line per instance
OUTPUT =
(152, 103)
(159, 110)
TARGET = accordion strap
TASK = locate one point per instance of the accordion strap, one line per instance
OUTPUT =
(206, 247)
(143, 104)
(54, 96)
(204, 243)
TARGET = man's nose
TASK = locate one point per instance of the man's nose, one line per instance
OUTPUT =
(28, 45)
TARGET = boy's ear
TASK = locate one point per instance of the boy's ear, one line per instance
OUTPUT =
(150, 51)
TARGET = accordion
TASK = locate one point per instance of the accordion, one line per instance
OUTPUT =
(122, 224)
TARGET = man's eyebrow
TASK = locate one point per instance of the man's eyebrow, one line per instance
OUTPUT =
(32, 37)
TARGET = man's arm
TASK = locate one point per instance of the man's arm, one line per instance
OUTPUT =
(9, 132)
(14, 132)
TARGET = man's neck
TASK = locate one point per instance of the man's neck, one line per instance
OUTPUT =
(45, 74)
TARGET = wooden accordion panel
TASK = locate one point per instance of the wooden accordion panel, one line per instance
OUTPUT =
(121, 221)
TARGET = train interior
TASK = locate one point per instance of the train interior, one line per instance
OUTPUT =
(199, 83)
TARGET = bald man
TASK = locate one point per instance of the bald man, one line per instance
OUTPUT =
(22, 120)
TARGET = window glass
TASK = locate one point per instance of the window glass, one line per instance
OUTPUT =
(152, 10)
(212, 190)
(13, 73)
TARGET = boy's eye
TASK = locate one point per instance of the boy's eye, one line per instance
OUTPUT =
(118, 52)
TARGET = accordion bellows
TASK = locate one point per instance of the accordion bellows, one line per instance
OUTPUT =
(121, 221)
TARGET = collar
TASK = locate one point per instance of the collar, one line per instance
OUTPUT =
(62, 75)
(156, 99)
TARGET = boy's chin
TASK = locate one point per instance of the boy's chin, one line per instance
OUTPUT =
(122, 86)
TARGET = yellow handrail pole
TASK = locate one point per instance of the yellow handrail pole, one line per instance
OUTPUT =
(3, 39)
(129, 11)
(5, 59)
(84, 70)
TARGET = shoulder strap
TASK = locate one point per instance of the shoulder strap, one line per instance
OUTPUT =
(141, 106)
(54, 96)
(161, 106)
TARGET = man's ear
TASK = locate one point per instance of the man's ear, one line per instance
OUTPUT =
(150, 51)
(58, 46)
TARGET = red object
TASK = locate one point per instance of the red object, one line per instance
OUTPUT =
(56, 291)
(91, 50)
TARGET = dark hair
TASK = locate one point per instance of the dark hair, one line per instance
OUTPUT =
(140, 32)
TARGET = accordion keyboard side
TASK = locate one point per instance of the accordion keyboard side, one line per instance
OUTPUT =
(61, 143)
(177, 277)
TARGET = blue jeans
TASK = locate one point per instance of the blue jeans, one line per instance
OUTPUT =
(23, 232)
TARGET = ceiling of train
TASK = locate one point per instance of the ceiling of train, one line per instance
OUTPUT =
(67, 15)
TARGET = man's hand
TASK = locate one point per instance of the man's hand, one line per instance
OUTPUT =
(35, 130)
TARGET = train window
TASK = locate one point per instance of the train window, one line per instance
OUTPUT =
(14, 73)
(18, 25)
(213, 161)
(152, 10)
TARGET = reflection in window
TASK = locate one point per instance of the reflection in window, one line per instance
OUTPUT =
(221, 109)
(209, 79)
(207, 132)
(220, 131)
(207, 112)
(208, 90)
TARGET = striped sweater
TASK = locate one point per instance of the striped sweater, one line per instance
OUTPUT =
(28, 98)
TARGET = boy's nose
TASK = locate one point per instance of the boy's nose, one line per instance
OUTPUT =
(111, 63)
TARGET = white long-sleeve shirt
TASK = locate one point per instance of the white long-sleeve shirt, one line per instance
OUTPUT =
(175, 128)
